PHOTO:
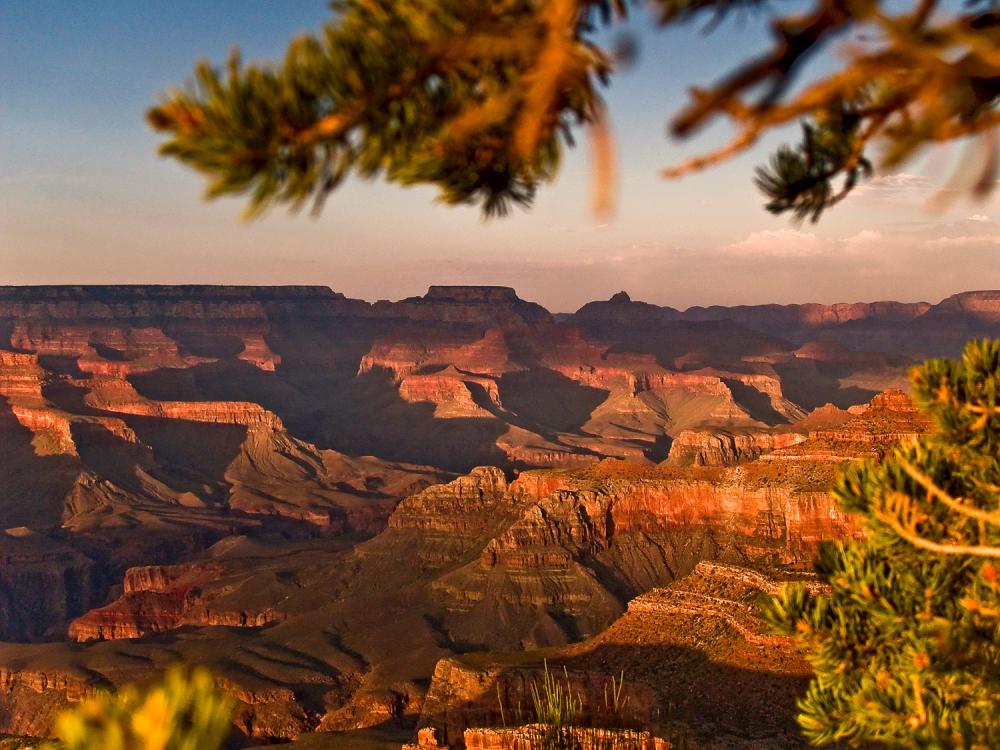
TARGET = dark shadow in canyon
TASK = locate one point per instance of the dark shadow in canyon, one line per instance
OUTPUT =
(757, 404)
(805, 383)
(338, 409)
(701, 344)
(193, 452)
(34, 478)
(549, 400)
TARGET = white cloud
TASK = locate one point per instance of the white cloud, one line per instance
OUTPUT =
(786, 243)
(964, 241)
(979, 218)
(901, 189)
(901, 181)
(863, 240)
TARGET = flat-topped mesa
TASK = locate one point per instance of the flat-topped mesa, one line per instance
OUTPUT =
(982, 304)
(810, 314)
(471, 294)
(153, 302)
(484, 306)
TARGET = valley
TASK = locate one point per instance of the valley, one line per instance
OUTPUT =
(374, 517)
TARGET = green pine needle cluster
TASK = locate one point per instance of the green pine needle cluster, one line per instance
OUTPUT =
(800, 179)
(906, 643)
(471, 96)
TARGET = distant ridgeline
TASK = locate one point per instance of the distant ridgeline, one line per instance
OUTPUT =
(915, 322)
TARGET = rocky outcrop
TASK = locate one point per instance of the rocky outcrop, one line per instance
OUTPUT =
(459, 507)
(454, 394)
(20, 376)
(159, 598)
(984, 305)
(869, 430)
(822, 417)
(30, 700)
(724, 448)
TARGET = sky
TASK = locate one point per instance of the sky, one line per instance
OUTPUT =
(84, 198)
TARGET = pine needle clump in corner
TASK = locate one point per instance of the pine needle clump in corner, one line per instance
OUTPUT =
(906, 644)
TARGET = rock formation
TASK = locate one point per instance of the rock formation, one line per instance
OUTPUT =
(326, 500)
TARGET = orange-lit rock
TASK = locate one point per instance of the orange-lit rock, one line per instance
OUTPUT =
(725, 448)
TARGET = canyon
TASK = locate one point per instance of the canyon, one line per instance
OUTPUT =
(384, 515)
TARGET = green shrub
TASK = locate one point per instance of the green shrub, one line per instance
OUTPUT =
(906, 644)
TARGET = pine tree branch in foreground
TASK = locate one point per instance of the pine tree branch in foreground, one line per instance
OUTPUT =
(906, 644)
(480, 97)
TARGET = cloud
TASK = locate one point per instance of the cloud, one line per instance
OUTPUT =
(863, 240)
(898, 184)
(900, 189)
(783, 243)
(979, 218)
(901, 181)
(965, 240)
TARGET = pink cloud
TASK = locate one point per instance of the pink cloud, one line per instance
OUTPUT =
(964, 241)
(777, 243)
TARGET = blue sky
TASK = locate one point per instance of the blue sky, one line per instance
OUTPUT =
(85, 199)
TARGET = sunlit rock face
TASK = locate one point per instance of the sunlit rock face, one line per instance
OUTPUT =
(300, 489)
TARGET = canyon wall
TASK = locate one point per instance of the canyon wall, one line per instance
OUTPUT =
(325, 500)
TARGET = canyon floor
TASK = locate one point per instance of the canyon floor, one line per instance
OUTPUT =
(368, 518)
